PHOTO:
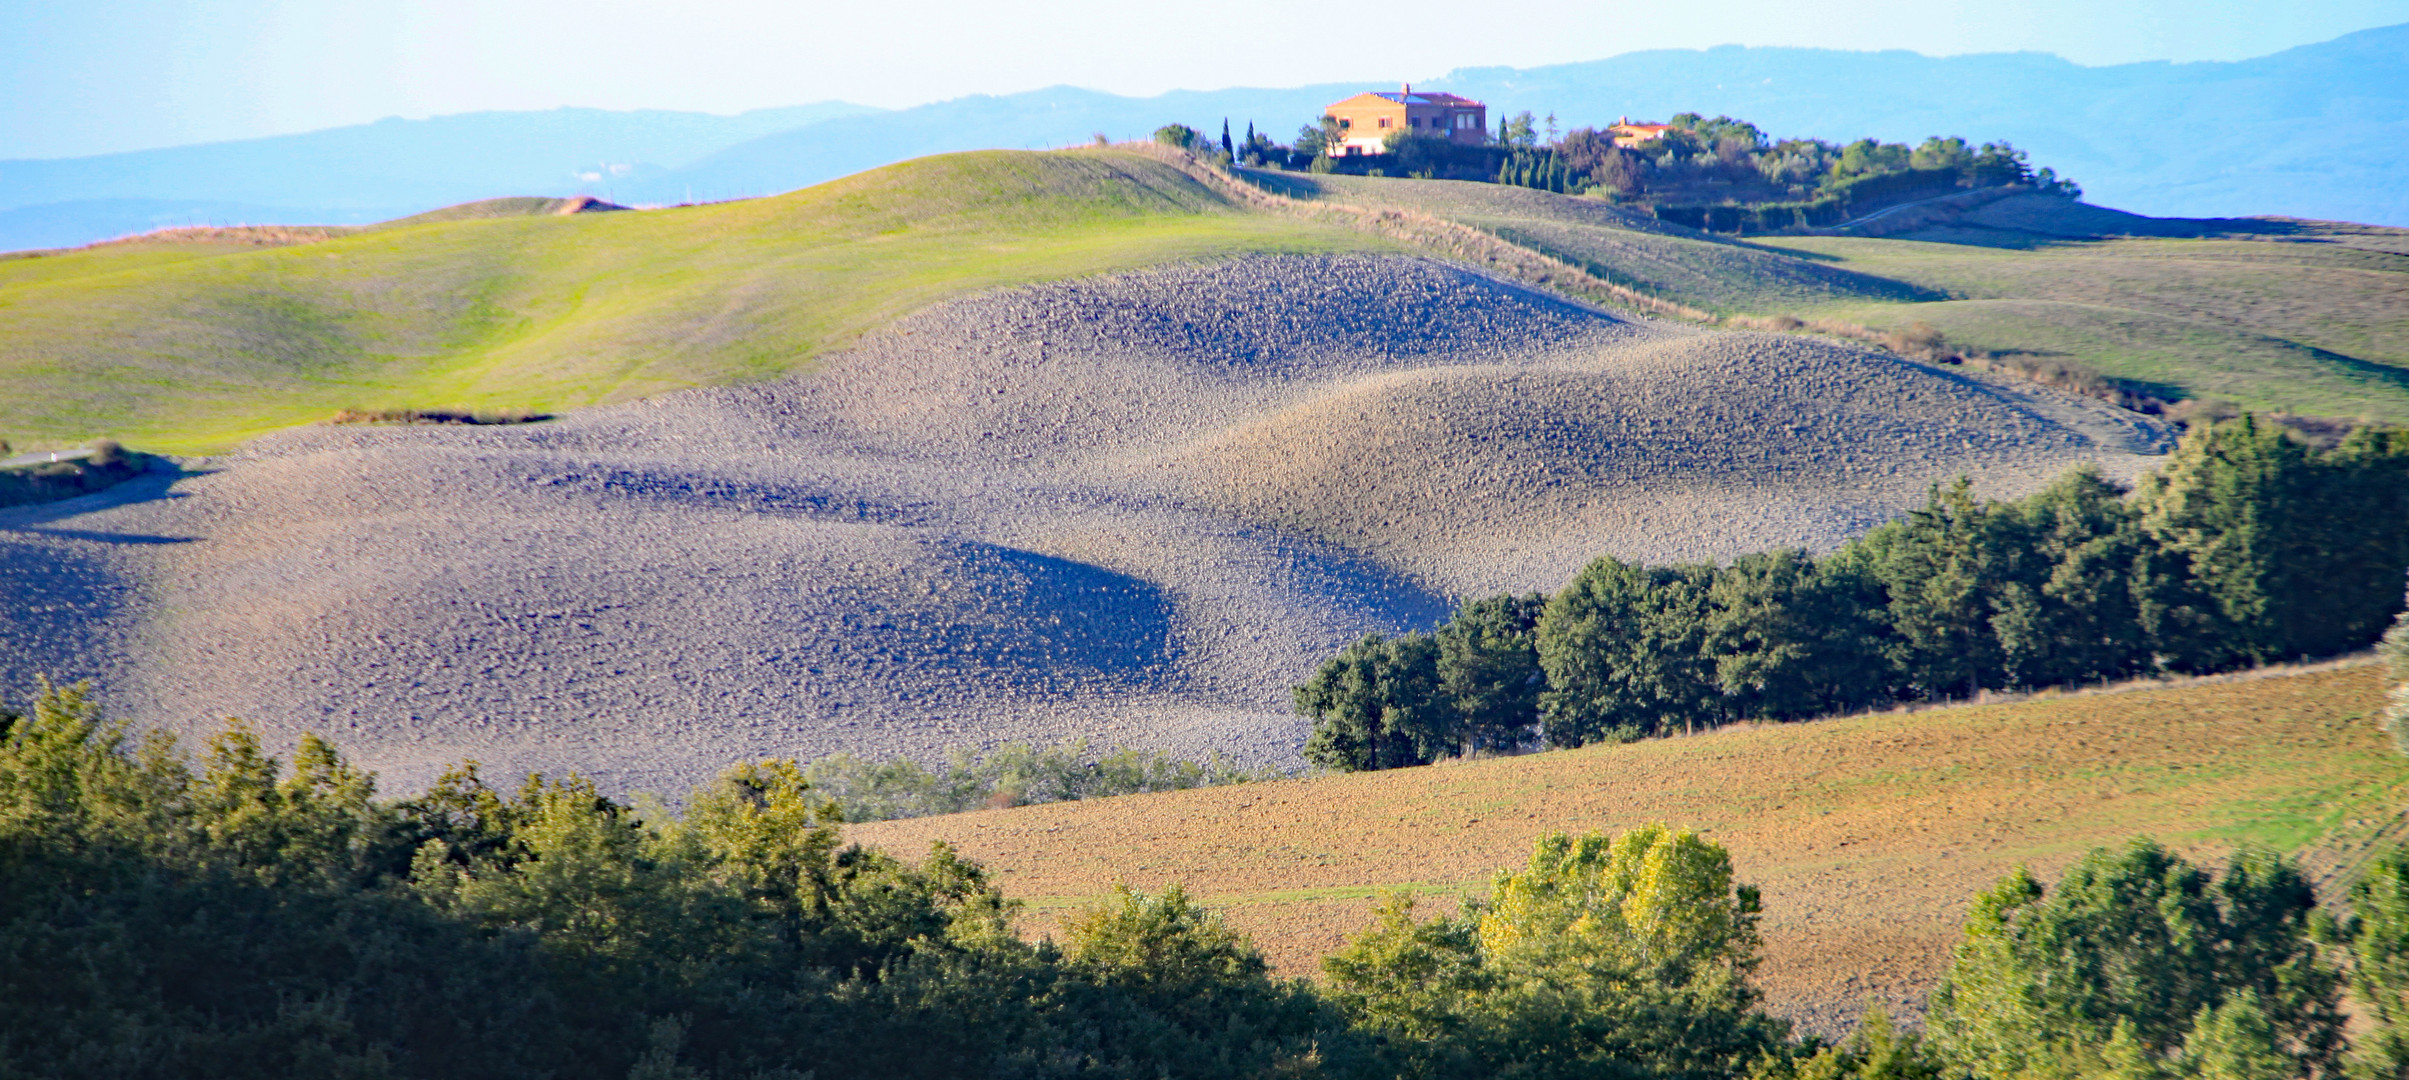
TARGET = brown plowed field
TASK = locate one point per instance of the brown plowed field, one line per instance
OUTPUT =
(1868, 834)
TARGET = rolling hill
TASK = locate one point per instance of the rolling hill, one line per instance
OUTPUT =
(187, 342)
(984, 447)
(1867, 834)
(189, 346)
(2301, 317)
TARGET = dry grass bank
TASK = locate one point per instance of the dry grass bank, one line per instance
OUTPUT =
(1868, 834)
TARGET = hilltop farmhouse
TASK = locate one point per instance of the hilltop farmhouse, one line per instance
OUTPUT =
(1365, 120)
(1627, 134)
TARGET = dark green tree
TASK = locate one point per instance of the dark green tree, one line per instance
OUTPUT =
(2141, 956)
(2074, 614)
(1379, 704)
(1947, 569)
(1489, 666)
(1623, 647)
(2266, 549)
(1791, 639)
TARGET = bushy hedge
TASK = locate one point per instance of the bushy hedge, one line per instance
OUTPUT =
(240, 919)
(2245, 547)
(1015, 774)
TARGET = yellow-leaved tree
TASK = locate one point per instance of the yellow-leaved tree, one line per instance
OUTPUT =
(1630, 954)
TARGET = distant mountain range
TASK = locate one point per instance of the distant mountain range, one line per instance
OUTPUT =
(2319, 131)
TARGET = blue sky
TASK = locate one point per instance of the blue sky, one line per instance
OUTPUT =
(93, 76)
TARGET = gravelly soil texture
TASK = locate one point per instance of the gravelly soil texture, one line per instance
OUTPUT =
(1134, 508)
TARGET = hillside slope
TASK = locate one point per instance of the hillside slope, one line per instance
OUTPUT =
(2314, 323)
(1133, 507)
(1867, 834)
(192, 349)
(2301, 317)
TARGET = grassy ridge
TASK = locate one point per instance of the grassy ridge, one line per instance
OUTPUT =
(194, 347)
(2315, 324)
(2305, 327)
(1868, 833)
(1616, 243)
(196, 343)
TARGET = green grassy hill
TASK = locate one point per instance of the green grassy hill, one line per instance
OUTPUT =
(193, 346)
(195, 341)
(2311, 320)
(2303, 326)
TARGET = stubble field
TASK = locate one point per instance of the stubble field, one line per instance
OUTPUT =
(1867, 834)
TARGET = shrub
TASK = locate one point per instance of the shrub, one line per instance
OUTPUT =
(1919, 339)
(1623, 956)
(2141, 963)
(1015, 774)
(236, 918)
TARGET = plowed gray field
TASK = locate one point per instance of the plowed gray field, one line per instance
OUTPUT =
(1134, 508)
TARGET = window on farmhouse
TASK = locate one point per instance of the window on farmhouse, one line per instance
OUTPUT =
(1384, 121)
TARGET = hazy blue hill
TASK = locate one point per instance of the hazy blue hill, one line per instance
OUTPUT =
(83, 221)
(368, 172)
(1037, 119)
(2318, 131)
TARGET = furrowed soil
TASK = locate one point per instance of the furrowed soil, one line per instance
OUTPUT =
(1134, 508)
(1868, 834)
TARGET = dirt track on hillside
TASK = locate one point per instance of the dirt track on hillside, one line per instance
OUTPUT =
(1133, 508)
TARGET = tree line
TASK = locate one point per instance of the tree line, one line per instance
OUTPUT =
(2245, 547)
(1716, 173)
(237, 918)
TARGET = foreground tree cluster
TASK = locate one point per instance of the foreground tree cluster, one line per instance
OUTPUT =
(2246, 547)
(239, 919)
